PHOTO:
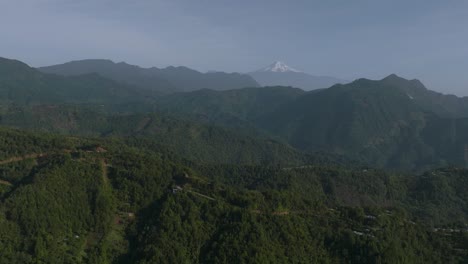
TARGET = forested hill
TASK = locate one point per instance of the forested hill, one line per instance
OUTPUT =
(76, 200)
(378, 121)
(389, 123)
(23, 85)
(444, 105)
(196, 141)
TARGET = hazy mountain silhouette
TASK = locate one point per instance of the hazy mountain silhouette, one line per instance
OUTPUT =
(170, 79)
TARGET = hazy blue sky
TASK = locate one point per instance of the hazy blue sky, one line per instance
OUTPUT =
(421, 39)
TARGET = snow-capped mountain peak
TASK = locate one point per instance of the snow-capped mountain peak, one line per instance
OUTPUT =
(278, 66)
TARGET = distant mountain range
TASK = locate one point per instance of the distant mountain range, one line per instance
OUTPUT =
(183, 79)
(166, 80)
(393, 122)
(281, 74)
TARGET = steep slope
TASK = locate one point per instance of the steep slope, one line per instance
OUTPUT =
(380, 122)
(340, 116)
(21, 84)
(170, 79)
(441, 104)
(280, 74)
(448, 137)
(374, 120)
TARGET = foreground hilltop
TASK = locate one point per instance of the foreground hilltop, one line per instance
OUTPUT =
(72, 199)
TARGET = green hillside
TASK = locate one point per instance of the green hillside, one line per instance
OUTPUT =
(375, 121)
(22, 85)
(443, 105)
(192, 140)
(76, 200)
(384, 123)
(365, 118)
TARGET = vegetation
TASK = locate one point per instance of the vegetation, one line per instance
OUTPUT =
(95, 201)
(105, 172)
(22, 85)
(379, 122)
(392, 123)
(192, 140)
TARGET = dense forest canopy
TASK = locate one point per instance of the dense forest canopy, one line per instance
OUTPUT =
(96, 200)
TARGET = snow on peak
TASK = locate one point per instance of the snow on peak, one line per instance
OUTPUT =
(279, 66)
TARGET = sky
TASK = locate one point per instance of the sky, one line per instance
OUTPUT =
(416, 39)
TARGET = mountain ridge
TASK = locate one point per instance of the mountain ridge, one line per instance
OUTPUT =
(387, 123)
(374, 120)
(166, 80)
(22, 84)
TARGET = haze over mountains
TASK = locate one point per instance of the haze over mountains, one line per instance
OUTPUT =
(170, 79)
(21, 84)
(176, 79)
(281, 74)
(389, 123)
